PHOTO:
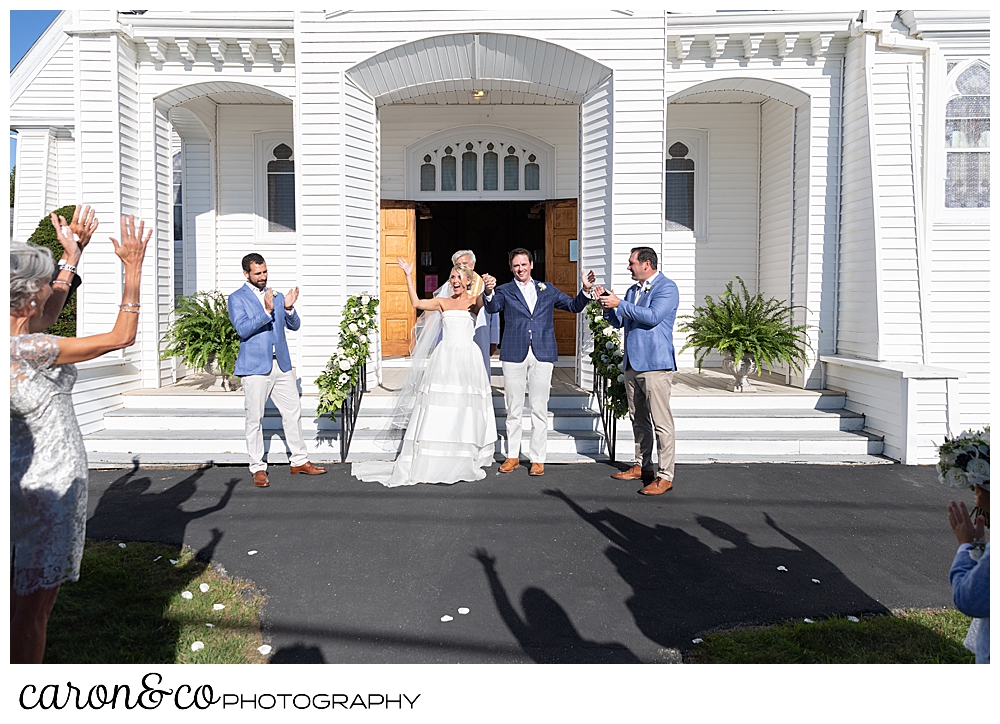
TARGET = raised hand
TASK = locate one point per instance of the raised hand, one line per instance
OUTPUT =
(71, 249)
(963, 527)
(406, 266)
(269, 300)
(132, 249)
(587, 278)
(291, 298)
(489, 283)
(484, 557)
(84, 224)
(607, 300)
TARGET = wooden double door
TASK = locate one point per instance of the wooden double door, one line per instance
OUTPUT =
(398, 237)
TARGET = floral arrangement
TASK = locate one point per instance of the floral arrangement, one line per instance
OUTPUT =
(964, 461)
(608, 358)
(344, 368)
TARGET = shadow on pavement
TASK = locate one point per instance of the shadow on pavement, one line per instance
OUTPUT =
(127, 512)
(546, 633)
(682, 587)
(298, 654)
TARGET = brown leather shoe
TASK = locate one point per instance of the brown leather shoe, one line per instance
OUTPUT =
(509, 464)
(658, 487)
(260, 479)
(634, 473)
(537, 469)
(307, 469)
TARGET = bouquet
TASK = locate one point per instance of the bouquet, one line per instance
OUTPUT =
(965, 462)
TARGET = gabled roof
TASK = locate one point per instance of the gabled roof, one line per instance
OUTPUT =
(39, 54)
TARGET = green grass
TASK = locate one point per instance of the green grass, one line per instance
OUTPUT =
(127, 608)
(905, 637)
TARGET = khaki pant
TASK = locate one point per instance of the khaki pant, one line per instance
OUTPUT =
(649, 408)
(281, 388)
(537, 376)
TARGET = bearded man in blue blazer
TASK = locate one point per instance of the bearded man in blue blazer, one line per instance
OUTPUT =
(647, 313)
(261, 316)
(528, 349)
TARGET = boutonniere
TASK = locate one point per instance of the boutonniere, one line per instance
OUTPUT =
(541, 286)
(647, 286)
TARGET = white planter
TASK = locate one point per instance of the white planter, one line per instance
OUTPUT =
(741, 373)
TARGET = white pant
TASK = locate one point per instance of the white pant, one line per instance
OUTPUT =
(281, 388)
(538, 378)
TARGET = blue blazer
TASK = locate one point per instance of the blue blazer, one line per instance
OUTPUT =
(649, 325)
(262, 335)
(523, 328)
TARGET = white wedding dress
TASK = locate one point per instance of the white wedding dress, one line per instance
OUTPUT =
(452, 431)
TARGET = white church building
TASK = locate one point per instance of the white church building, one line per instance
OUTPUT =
(837, 159)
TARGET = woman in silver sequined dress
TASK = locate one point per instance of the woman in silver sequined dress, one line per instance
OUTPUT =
(48, 463)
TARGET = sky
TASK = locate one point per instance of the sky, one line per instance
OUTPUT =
(26, 26)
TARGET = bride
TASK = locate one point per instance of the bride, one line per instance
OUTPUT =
(446, 405)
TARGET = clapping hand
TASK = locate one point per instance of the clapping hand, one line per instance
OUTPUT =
(406, 266)
(84, 224)
(132, 249)
(962, 526)
(269, 300)
(588, 278)
(291, 298)
(606, 298)
(489, 283)
(484, 557)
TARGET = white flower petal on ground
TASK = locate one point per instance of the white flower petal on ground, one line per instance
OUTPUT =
(463, 610)
(218, 607)
(264, 650)
(782, 568)
(447, 618)
(251, 553)
(197, 646)
(853, 619)
(815, 580)
(204, 587)
(187, 594)
(157, 558)
(808, 620)
(696, 641)
(121, 545)
(172, 561)
(210, 625)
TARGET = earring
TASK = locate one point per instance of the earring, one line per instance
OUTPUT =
(34, 303)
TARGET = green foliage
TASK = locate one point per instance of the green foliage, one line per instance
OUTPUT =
(201, 333)
(13, 175)
(343, 370)
(607, 358)
(45, 235)
(744, 324)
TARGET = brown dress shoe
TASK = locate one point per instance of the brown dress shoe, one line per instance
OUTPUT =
(509, 464)
(260, 479)
(634, 473)
(307, 469)
(657, 487)
(537, 469)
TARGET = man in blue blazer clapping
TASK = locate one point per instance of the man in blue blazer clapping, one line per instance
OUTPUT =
(528, 349)
(261, 316)
(647, 313)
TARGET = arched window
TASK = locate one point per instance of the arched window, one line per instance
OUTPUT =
(281, 190)
(511, 171)
(448, 171)
(470, 165)
(491, 169)
(680, 188)
(428, 175)
(967, 136)
(531, 174)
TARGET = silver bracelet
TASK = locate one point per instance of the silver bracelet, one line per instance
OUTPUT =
(129, 311)
(129, 304)
(65, 266)
(61, 281)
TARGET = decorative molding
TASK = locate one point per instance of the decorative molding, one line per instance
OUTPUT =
(248, 47)
(682, 46)
(157, 48)
(751, 44)
(218, 47)
(820, 43)
(279, 48)
(188, 48)
(716, 45)
(785, 43)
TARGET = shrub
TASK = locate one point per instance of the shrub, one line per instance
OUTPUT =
(45, 235)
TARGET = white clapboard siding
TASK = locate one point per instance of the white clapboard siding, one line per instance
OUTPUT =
(897, 177)
(99, 387)
(360, 202)
(858, 312)
(33, 161)
(878, 398)
(404, 124)
(42, 85)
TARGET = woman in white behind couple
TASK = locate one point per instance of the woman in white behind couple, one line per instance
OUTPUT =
(446, 404)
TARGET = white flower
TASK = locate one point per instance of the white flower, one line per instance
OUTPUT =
(365, 298)
(353, 327)
(604, 358)
(541, 286)
(345, 364)
(609, 345)
(621, 378)
(956, 478)
(343, 379)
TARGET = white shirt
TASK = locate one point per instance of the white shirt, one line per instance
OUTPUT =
(642, 286)
(529, 292)
(259, 293)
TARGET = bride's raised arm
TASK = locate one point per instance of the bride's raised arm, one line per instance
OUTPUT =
(432, 304)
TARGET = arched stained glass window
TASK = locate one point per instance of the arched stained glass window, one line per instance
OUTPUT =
(428, 175)
(281, 190)
(511, 171)
(967, 138)
(680, 189)
(470, 169)
(449, 171)
(531, 174)
(491, 169)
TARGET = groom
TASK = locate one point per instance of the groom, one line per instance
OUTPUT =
(528, 349)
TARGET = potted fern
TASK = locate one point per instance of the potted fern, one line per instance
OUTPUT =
(749, 331)
(203, 337)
